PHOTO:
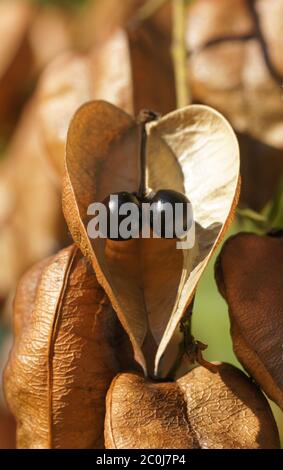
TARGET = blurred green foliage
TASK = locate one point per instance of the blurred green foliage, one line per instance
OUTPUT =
(274, 210)
(270, 217)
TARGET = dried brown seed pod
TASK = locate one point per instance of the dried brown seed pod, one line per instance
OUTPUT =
(234, 63)
(149, 281)
(234, 66)
(202, 410)
(249, 274)
(123, 70)
(68, 347)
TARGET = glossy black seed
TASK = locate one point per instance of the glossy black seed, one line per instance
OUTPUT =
(171, 221)
(114, 203)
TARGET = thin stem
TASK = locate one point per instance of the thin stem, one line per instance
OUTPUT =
(189, 346)
(180, 54)
(178, 361)
(143, 139)
(150, 7)
(187, 340)
(145, 116)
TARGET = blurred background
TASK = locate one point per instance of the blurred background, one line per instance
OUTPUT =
(57, 54)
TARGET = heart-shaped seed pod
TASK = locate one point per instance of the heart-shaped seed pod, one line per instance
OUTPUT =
(123, 70)
(150, 281)
(235, 63)
(64, 356)
(15, 59)
(249, 275)
(202, 410)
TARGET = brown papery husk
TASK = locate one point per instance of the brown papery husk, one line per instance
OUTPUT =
(123, 70)
(149, 281)
(237, 69)
(202, 410)
(249, 275)
(226, 54)
(68, 347)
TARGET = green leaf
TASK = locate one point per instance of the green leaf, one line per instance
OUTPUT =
(275, 213)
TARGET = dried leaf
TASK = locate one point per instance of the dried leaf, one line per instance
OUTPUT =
(201, 410)
(124, 71)
(235, 63)
(249, 274)
(64, 356)
(25, 298)
(149, 281)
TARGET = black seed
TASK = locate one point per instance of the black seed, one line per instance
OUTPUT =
(176, 218)
(113, 206)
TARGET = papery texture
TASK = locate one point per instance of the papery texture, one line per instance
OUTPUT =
(234, 63)
(149, 281)
(202, 410)
(68, 347)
